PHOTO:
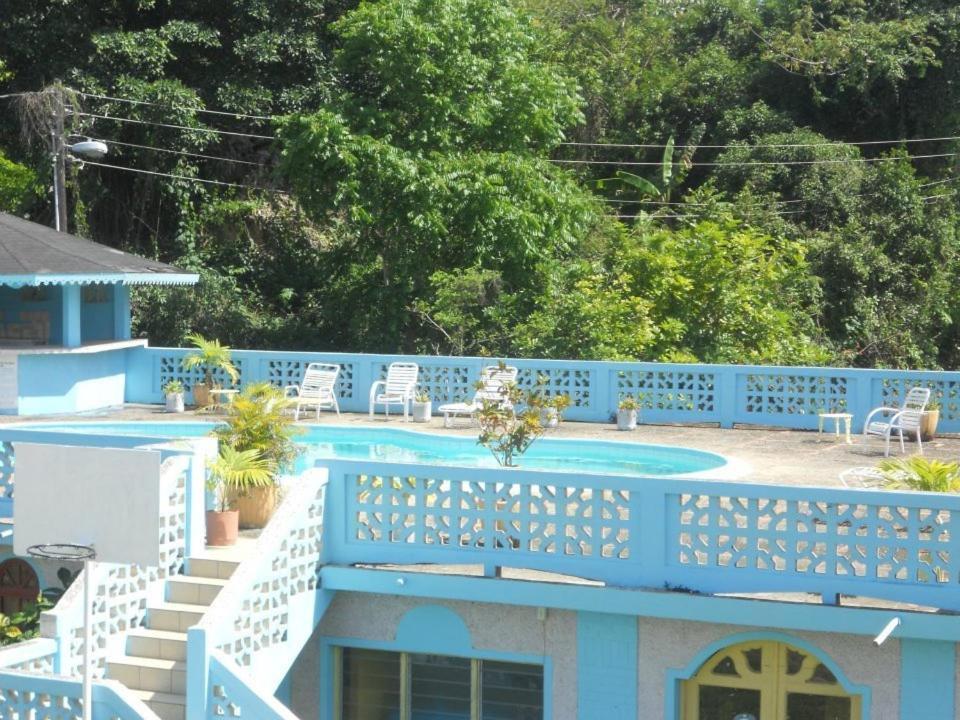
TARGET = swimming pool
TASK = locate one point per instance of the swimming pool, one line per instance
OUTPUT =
(399, 445)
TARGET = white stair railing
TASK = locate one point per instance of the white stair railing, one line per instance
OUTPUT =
(269, 607)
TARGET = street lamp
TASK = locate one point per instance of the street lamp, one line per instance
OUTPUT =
(86, 148)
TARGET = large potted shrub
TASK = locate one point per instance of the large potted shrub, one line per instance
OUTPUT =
(234, 473)
(209, 356)
(259, 419)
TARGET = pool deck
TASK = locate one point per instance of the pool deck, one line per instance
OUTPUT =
(762, 455)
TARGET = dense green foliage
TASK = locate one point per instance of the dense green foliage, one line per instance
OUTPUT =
(705, 180)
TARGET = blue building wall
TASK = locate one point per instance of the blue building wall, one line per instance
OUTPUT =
(45, 298)
(96, 313)
(66, 383)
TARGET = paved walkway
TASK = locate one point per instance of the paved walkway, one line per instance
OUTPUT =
(764, 455)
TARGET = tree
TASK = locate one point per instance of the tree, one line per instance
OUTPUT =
(434, 154)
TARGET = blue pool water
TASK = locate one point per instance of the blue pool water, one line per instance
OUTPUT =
(395, 445)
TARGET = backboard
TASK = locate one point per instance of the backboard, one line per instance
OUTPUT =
(105, 497)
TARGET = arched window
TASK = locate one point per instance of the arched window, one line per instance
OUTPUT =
(18, 585)
(766, 680)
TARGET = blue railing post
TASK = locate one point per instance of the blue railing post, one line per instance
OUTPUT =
(727, 394)
(649, 502)
(863, 401)
(603, 399)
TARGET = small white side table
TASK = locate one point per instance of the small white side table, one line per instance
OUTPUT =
(846, 418)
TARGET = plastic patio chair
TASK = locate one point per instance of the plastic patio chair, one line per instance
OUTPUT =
(899, 420)
(398, 389)
(318, 388)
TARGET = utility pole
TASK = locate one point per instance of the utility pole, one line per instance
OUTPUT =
(59, 162)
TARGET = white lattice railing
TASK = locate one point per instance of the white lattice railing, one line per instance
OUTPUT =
(231, 693)
(27, 695)
(121, 592)
(36, 656)
(267, 610)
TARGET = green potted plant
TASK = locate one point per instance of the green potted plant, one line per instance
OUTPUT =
(627, 413)
(551, 412)
(259, 419)
(929, 420)
(235, 473)
(173, 395)
(209, 356)
(422, 407)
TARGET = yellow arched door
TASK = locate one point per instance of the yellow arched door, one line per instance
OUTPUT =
(766, 680)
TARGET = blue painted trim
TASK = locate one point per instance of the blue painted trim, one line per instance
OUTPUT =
(927, 679)
(671, 698)
(95, 278)
(420, 636)
(607, 656)
(643, 603)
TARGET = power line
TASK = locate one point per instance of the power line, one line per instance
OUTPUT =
(181, 152)
(838, 143)
(759, 162)
(183, 177)
(177, 127)
(224, 113)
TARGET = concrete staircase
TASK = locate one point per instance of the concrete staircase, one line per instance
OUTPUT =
(154, 665)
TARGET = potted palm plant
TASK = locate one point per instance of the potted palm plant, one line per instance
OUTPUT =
(259, 419)
(422, 407)
(233, 474)
(209, 356)
(627, 412)
(173, 395)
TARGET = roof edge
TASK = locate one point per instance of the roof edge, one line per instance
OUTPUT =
(147, 278)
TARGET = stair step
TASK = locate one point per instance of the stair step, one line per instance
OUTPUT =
(210, 568)
(145, 673)
(167, 706)
(197, 590)
(176, 617)
(165, 644)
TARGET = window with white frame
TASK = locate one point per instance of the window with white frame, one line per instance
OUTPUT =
(384, 685)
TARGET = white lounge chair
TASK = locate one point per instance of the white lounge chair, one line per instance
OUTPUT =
(398, 389)
(318, 388)
(899, 420)
(493, 378)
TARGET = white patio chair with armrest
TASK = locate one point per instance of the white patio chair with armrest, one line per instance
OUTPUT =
(318, 389)
(885, 421)
(398, 389)
(493, 379)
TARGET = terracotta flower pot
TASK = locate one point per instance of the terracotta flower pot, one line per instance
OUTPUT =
(256, 507)
(201, 395)
(222, 527)
(928, 424)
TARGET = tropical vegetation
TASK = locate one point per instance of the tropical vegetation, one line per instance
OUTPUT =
(712, 180)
